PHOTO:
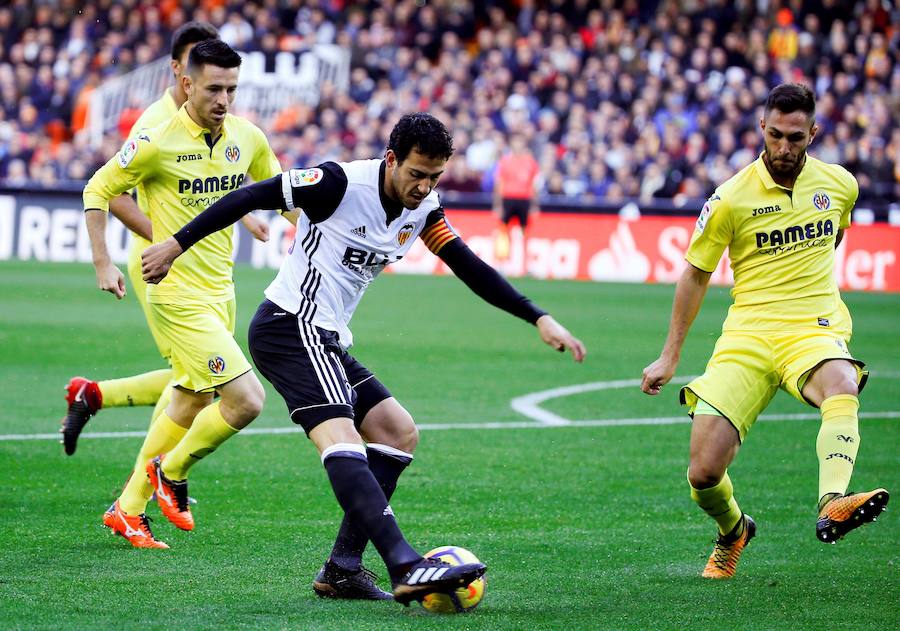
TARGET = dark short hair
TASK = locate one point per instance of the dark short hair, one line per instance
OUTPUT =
(191, 33)
(213, 52)
(791, 97)
(422, 132)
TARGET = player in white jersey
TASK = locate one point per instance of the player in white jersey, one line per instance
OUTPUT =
(356, 219)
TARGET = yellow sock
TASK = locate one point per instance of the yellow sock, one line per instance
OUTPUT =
(837, 443)
(208, 431)
(162, 404)
(143, 389)
(719, 503)
(162, 436)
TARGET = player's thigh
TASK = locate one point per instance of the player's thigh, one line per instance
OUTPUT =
(204, 353)
(739, 381)
(139, 289)
(303, 363)
(802, 354)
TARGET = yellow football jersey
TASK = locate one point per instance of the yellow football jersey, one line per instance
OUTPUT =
(179, 172)
(781, 244)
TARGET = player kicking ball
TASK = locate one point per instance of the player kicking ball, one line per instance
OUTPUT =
(356, 219)
(781, 219)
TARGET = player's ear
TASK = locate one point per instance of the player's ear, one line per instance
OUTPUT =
(812, 132)
(175, 65)
(762, 123)
(391, 158)
(187, 84)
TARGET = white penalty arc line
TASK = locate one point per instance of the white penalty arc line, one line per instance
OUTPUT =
(527, 405)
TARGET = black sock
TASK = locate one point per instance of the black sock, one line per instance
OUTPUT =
(351, 541)
(364, 502)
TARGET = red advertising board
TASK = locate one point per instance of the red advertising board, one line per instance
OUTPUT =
(646, 249)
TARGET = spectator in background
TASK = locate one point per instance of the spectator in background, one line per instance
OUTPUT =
(516, 186)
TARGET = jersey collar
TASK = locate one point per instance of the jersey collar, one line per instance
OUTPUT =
(766, 177)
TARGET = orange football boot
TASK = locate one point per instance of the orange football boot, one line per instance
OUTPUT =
(134, 528)
(723, 561)
(846, 512)
(171, 495)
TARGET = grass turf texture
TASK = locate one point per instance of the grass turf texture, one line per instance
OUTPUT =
(582, 527)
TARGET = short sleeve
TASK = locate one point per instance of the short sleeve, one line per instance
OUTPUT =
(135, 162)
(712, 234)
(264, 164)
(852, 195)
(438, 232)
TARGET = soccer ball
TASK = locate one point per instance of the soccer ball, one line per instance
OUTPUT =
(464, 598)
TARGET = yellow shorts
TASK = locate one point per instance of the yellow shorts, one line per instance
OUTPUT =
(747, 368)
(139, 287)
(204, 352)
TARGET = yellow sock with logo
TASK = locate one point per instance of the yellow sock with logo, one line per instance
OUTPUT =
(719, 503)
(837, 443)
(143, 389)
(162, 404)
(208, 431)
(162, 436)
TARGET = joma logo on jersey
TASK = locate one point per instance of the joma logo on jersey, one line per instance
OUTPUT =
(765, 210)
(795, 234)
(211, 184)
(355, 256)
(189, 157)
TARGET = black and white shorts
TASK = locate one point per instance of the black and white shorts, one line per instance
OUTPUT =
(316, 377)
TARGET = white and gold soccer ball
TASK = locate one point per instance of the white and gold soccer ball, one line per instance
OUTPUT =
(464, 598)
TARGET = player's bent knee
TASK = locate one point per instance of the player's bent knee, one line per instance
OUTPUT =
(703, 475)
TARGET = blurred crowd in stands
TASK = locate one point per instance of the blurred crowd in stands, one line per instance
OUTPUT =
(617, 99)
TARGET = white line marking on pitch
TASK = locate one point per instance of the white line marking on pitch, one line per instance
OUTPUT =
(528, 405)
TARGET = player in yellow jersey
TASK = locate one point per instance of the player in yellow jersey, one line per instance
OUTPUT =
(781, 219)
(84, 396)
(181, 167)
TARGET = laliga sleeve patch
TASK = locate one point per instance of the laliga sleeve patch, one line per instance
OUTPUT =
(305, 177)
(127, 152)
(705, 212)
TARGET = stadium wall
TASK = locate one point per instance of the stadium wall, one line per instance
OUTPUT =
(631, 246)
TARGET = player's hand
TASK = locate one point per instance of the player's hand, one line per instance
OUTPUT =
(554, 334)
(658, 374)
(110, 279)
(157, 260)
(257, 227)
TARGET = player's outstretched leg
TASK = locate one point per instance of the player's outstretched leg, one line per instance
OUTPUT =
(84, 399)
(342, 575)
(842, 513)
(135, 528)
(723, 561)
(357, 491)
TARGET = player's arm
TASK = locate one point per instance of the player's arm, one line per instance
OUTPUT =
(838, 238)
(491, 287)
(125, 209)
(689, 293)
(263, 166)
(122, 172)
(318, 191)
(713, 233)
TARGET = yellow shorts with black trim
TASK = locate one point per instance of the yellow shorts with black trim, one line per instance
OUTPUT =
(201, 337)
(139, 287)
(747, 369)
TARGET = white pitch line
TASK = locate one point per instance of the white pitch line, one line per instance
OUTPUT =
(527, 405)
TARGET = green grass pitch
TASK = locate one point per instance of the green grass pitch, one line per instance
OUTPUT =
(582, 527)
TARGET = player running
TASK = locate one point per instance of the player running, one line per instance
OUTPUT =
(357, 218)
(180, 167)
(84, 396)
(781, 219)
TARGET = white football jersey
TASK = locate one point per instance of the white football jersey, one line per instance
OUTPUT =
(347, 233)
